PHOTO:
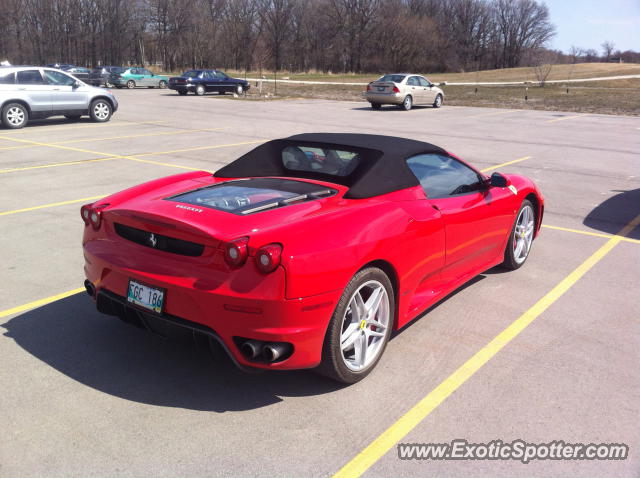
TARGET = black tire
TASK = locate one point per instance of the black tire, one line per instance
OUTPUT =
(15, 116)
(162, 85)
(510, 261)
(376, 106)
(73, 117)
(407, 103)
(100, 110)
(438, 101)
(182, 92)
(131, 84)
(200, 91)
(333, 364)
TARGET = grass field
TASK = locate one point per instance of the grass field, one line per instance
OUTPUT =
(558, 72)
(608, 97)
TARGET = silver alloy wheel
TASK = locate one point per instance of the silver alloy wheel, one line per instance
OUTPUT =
(364, 326)
(407, 103)
(162, 84)
(239, 89)
(523, 234)
(438, 101)
(15, 116)
(131, 84)
(101, 110)
(200, 90)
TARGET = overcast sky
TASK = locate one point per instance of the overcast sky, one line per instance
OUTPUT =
(588, 23)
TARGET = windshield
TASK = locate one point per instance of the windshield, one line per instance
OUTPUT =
(393, 78)
(253, 195)
(320, 160)
(116, 69)
(191, 74)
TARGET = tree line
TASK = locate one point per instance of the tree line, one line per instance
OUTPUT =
(294, 35)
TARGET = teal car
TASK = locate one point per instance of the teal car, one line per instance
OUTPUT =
(132, 77)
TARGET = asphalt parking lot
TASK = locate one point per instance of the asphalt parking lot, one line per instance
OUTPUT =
(85, 395)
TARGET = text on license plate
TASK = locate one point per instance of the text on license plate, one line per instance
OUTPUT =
(380, 88)
(145, 296)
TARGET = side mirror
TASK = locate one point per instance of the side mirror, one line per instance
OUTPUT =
(76, 84)
(498, 181)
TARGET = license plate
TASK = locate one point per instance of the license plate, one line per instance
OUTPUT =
(381, 88)
(148, 297)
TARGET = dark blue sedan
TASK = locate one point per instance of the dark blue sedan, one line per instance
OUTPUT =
(203, 81)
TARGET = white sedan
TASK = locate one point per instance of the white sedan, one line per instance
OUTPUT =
(403, 90)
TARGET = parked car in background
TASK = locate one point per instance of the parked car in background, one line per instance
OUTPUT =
(204, 81)
(404, 90)
(100, 76)
(132, 77)
(31, 92)
(79, 72)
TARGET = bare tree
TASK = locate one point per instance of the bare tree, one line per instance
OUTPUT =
(575, 53)
(607, 49)
(543, 64)
(522, 25)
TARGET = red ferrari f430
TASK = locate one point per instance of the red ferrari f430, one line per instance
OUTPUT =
(308, 251)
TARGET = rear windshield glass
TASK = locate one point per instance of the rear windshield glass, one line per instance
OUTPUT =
(253, 195)
(393, 78)
(191, 74)
(320, 160)
(116, 69)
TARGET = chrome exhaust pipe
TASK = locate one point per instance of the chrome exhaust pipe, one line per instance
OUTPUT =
(273, 351)
(90, 288)
(251, 349)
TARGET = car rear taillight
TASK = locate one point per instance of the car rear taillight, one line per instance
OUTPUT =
(395, 89)
(92, 215)
(369, 87)
(268, 258)
(236, 252)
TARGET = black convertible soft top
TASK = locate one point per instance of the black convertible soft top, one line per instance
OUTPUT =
(382, 168)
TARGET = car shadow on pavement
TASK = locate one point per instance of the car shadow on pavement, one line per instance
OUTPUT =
(616, 212)
(390, 108)
(115, 358)
(51, 122)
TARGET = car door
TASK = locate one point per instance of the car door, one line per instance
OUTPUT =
(218, 81)
(65, 97)
(37, 92)
(147, 78)
(415, 90)
(477, 218)
(208, 81)
(428, 94)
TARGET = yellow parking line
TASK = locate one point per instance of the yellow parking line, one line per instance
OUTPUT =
(505, 164)
(589, 233)
(54, 204)
(39, 303)
(396, 432)
(143, 135)
(131, 158)
(567, 118)
(201, 148)
(67, 126)
(494, 113)
(55, 165)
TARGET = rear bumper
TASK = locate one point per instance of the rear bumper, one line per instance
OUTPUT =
(383, 98)
(246, 305)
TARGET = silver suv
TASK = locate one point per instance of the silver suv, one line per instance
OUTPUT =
(30, 92)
